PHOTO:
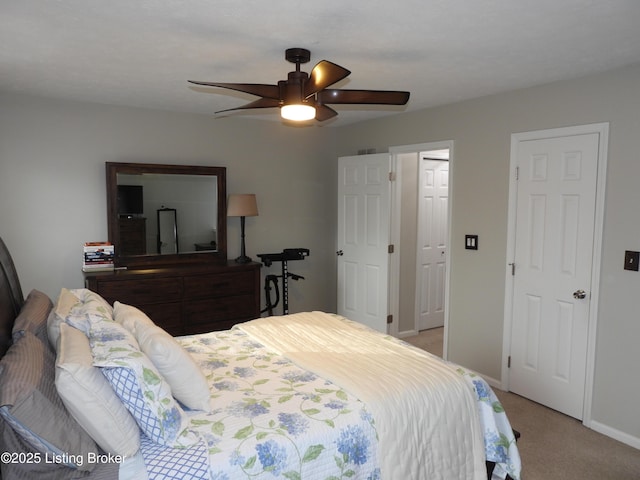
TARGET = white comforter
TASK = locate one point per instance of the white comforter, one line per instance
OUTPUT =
(425, 413)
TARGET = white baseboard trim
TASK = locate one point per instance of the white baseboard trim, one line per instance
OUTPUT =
(615, 434)
(407, 333)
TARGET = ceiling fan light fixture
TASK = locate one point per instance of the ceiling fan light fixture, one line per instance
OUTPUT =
(305, 96)
(298, 112)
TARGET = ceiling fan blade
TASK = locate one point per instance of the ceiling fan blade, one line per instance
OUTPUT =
(324, 113)
(325, 73)
(259, 89)
(260, 103)
(371, 97)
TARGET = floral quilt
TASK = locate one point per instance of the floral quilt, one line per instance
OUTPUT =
(499, 440)
(272, 419)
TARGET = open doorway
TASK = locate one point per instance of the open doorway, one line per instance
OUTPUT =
(420, 233)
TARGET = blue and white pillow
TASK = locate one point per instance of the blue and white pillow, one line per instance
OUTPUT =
(138, 384)
(164, 462)
(162, 423)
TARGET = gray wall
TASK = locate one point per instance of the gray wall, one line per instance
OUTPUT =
(52, 198)
(481, 130)
(409, 173)
(52, 185)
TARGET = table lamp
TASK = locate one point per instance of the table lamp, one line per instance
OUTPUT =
(242, 205)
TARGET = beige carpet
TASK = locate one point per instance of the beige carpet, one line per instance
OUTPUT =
(554, 446)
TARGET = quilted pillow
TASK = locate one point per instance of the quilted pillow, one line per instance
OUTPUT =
(138, 384)
(31, 406)
(188, 384)
(33, 316)
(89, 397)
(72, 307)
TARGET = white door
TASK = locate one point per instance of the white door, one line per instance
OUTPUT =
(433, 197)
(363, 238)
(554, 240)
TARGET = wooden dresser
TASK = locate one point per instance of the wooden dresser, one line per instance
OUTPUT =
(186, 299)
(133, 236)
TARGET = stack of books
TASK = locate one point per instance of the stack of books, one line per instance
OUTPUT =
(98, 257)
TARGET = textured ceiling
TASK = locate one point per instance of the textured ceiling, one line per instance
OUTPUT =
(142, 52)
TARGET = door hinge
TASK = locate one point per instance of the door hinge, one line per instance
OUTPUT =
(390, 249)
(517, 173)
(389, 319)
(392, 176)
(509, 361)
(513, 269)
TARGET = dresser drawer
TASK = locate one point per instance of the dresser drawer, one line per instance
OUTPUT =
(142, 291)
(239, 307)
(209, 327)
(165, 315)
(218, 285)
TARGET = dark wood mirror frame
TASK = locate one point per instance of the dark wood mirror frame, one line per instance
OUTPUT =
(140, 261)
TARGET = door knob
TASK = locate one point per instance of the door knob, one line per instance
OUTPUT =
(579, 294)
(339, 253)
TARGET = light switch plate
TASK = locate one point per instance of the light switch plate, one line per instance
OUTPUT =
(631, 260)
(471, 242)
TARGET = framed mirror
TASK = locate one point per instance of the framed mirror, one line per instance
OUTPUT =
(184, 204)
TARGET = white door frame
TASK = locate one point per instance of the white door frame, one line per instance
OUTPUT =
(394, 263)
(603, 130)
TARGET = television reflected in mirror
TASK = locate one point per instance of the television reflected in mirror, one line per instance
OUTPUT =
(140, 194)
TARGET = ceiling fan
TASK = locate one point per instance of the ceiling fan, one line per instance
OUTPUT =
(305, 96)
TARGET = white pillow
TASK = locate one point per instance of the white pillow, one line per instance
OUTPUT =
(129, 316)
(188, 383)
(89, 397)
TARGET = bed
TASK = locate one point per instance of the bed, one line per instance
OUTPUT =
(98, 391)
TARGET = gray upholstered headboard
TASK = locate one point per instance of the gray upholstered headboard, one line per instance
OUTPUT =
(11, 298)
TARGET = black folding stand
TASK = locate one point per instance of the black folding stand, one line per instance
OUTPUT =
(286, 255)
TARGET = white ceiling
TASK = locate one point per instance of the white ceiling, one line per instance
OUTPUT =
(142, 52)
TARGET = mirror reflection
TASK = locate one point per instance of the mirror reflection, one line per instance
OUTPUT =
(167, 231)
(166, 213)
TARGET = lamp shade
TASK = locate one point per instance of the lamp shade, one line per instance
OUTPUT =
(242, 205)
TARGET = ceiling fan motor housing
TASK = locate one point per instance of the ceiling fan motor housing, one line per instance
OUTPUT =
(292, 89)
